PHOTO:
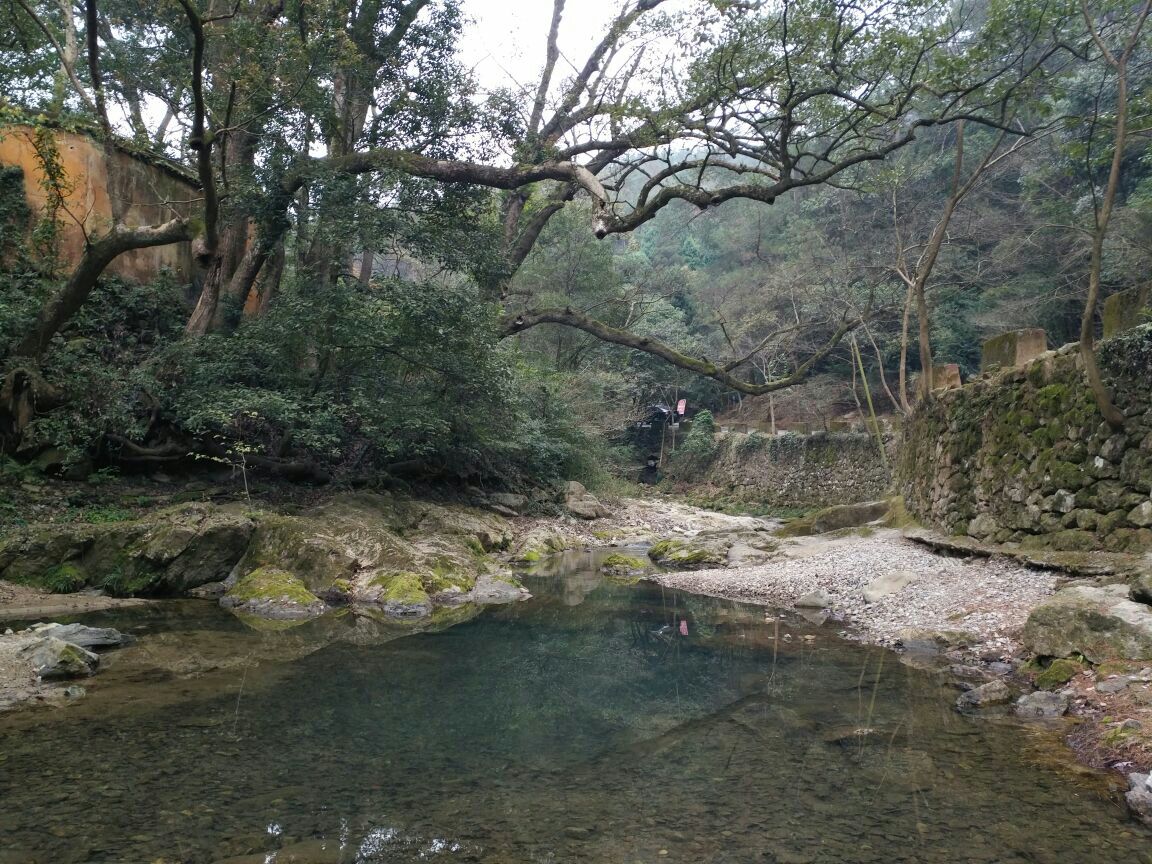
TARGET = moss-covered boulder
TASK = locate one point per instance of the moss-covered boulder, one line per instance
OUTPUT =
(400, 593)
(538, 543)
(687, 555)
(55, 658)
(34, 554)
(1100, 623)
(623, 567)
(715, 548)
(269, 592)
(166, 552)
(1059, 672)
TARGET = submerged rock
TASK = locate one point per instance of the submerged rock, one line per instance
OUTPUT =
(54, 658)
(86, 637)
(622, 566)
(986, 695)
(1100, 623)
(492, 589)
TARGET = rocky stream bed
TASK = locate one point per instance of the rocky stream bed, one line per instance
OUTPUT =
(1017, 637)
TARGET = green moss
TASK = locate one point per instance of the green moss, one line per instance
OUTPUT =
(445, 575)
(1059, 673)
(1070, 540)
(272, 583)
(680, 553)
(1065, 475)
(618, 561)
(402, 587)
(1113, 667)
(664, 548)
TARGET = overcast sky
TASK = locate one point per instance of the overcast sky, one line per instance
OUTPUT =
(506, 40)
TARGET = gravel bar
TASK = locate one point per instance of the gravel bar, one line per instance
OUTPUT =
(987, 597)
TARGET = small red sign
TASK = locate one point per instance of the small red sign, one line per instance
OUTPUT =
(681, 407)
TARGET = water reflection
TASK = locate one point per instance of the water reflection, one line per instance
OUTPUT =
(597, 723)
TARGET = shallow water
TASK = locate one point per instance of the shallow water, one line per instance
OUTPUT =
(583, 725)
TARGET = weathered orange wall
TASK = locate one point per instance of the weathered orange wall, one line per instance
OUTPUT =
(150, 194)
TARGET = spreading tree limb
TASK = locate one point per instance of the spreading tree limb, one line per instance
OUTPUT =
(700, 365)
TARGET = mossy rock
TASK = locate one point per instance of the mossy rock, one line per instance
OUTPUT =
(165, 552)
(302, 547)
(1069, 540)
(539, 543)
(617, 561)
(399, 593)
(1059, 673)
(685, 555)
(269, 592)
(31, 555)
(618, 567)
(1097, 623)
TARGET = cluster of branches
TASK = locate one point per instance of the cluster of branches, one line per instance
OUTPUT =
(723, 101)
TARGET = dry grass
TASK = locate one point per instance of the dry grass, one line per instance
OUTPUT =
(1106, 736)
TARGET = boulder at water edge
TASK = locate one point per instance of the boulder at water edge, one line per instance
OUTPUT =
(54, 658)
(1139, 796)
(1041, 705)
(1100, 623)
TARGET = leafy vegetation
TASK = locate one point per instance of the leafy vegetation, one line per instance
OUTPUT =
(399, 272)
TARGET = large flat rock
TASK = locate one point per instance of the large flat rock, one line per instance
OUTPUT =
(1101, 623)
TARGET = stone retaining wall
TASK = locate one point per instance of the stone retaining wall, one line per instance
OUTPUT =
(804, 471)
(1024, 456)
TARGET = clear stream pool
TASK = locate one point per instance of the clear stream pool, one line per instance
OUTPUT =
(594, 723)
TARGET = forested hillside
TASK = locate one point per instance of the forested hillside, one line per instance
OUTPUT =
(403, 271)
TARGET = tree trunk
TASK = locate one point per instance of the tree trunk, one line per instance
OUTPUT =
(97, 256)
(903, 383)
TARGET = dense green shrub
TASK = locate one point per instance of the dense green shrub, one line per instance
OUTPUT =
(360, 380)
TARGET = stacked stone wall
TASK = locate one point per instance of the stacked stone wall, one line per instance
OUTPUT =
(1025, 457)
(801, 471)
